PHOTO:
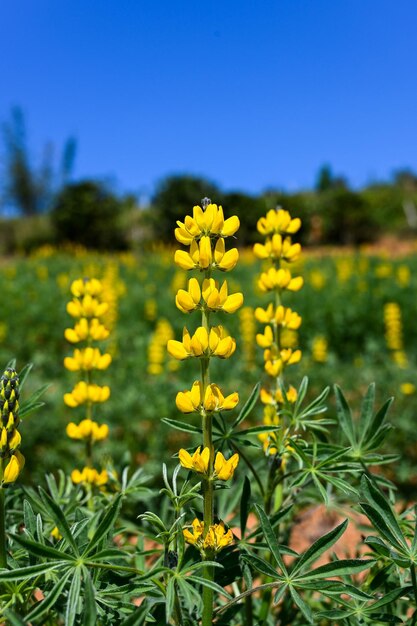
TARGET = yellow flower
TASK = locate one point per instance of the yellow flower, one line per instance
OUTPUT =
(84, 392)
(191, 401)
(87, 429)
(84, 330)
(278, 248)
(216, 538)
(277, 397)
(13, 467)
(267, 339)
(198, 462)
(88, 306)
(279, 279)
(194, 537)
(91, 476)
(84, 286)
(225, 469)
(55, 533)
(278, 221)
(225, 261)
(189, 300)
(319, 349)
(202, 344)
(87, 359)
(274, 363)
(205, 222)
(218, 299)
(407, 389)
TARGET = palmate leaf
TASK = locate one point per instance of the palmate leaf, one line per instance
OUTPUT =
(42, 550)
(302, 605)
(184, 426)
(344, 567)
(260, 565)
(345, 416)
(90, 611)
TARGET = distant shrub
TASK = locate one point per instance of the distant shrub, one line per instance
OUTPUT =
(88, 214)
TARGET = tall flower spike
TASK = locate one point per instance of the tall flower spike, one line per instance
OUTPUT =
(89, 307)
(205, 232)
(279, 337)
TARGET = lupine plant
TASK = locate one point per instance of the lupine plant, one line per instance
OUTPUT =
(212, 542)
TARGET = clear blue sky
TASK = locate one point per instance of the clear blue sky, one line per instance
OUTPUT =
(249, 94)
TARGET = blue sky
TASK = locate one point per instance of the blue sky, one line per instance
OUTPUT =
(248, 94)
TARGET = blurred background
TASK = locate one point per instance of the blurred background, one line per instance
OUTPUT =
(116, 118)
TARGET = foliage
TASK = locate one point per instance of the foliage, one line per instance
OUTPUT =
(87, 213)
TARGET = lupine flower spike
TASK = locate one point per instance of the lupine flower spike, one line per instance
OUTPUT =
(279, 337)
(205, 233)
(88, 308)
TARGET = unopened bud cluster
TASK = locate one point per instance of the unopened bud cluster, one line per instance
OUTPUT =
(12, 461)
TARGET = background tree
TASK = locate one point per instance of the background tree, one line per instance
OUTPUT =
(89, 214)
(28, 189)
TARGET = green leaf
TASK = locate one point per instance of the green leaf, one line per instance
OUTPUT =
(379, 504)
(170, 599)
(260, 565)
(33, 403)
(248, 406)
(59, 518)
(14, 619)
(319, 547)
(105, 526)
(90, 611)
(29, 517)
(270, 538)
(49, 601)
(25, 573)
(42, 550)
(184, 426)
(244, 505)
(211, 584)
(73, 598)
(337, 568)
(302, 605)
(345, 416)
(367, 410)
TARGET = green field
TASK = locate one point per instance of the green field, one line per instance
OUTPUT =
(343, 338)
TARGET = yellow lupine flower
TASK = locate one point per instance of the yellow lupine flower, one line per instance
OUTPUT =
(206, 222)
(13, 467)
(278, 221)
(407, 389)
(202, 344)
(84, 329)
(274, 364)
(218, 299)
(277, 397)
(225, 261)
(198, 529)
(278, 248)
(282, 316)
(87, 306)
(266, 339)
(87, 429)
(87, 359)
(279, 279)
(82, 287)
(224, 469)
(216, 538)
(91, 476)
(198, 462)
(55, 533)
(189, 300)
(84, 392)
(191, 401)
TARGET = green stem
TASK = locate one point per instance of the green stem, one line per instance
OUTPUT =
(208, 491)
(3, 549)
(414, 581)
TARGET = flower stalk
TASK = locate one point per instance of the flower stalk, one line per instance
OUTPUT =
(205, 233)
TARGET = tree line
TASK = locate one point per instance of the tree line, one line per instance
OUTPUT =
(92, 214)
